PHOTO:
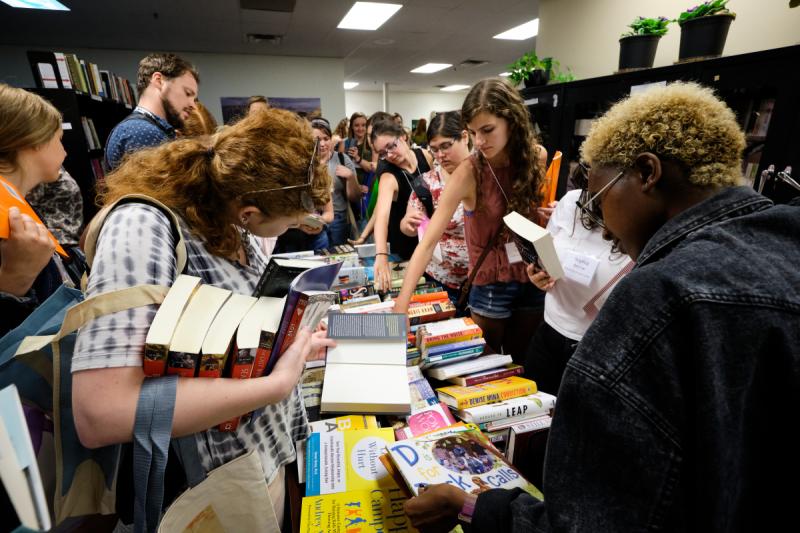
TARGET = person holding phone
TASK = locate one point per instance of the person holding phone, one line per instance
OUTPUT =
(345, 187)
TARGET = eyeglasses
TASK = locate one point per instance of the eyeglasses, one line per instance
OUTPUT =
(445, 146)
(391, 147)
(305, 198)
(589, 209)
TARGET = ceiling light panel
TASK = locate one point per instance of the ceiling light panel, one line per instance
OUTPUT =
(520, 33)
(51, 5)
(430, 68)
(350, 84)
(454, 88)
(368, 16)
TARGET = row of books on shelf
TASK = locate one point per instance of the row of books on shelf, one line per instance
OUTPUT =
(57, 70)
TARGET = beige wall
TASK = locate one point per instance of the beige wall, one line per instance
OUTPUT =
(584, 34)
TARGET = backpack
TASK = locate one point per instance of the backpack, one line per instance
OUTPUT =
(37, 357)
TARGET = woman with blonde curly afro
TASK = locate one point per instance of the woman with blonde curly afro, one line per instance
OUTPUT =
(672, 413)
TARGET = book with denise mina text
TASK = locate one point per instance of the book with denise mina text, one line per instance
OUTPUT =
(192, 328)
(216, 345)
(159, 336)
(338, 461)
(340, 423)
(459, 397)
(520, 408)
(458, 455)
(306, 284)
(534, 243)
(366, 370)
(357, 511)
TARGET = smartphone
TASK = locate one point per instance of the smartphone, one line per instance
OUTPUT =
(313, 221)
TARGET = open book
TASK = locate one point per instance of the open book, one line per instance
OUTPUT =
(366, 371)
(534, 242)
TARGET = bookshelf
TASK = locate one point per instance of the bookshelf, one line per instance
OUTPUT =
(92, 101)
(762, 88)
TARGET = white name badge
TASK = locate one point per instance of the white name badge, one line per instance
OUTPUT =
(513, 253)
(579, 268)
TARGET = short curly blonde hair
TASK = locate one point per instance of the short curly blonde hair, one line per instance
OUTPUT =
(682, 121)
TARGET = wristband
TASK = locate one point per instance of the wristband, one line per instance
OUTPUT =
(468, 509)
(381, 253)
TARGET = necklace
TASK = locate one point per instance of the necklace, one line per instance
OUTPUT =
(497, 181)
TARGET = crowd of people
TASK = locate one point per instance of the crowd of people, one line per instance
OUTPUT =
(674, 357)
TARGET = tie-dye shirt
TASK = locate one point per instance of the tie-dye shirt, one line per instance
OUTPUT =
(136, 246)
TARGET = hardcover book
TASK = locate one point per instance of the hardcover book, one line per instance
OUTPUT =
(446, 332)
(490, 392)
(448, 354)
(356, 511)
(159, 336)
(514, 409)
(458, 455)
(460, 368)
(338, 461)
(425, 420)
(431, 311)
(534, 243)
(476, 378)
(366, 371)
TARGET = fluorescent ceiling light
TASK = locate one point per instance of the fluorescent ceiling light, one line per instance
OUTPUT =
(52, 5)
(350, 84)
(368, 16)
(505, 74)
(453, 88)
(521, 32)
(430, 68)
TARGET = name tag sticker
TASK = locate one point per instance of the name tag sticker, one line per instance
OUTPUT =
(580, 268)
(513, 253)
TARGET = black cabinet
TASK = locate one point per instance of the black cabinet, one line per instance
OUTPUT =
(85, 156)
(762, 88)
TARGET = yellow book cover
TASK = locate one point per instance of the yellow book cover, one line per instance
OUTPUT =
(340, 461)
(340, 423)
(358, 511)
(490, 392)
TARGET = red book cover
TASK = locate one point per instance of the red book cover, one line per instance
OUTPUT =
(182, 364)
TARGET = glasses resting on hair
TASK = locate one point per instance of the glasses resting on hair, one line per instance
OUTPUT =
(305, 198)
(443, 147)
(591, 207)
(391, 147)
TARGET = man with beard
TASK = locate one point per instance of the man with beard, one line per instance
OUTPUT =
(167, 86)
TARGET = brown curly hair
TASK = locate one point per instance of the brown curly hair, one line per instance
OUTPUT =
(199, 122)
(683, 122)
(204, 178)
(498, 97)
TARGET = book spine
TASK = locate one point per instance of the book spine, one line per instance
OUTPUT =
(522, 409)
(242, 363)
(492, 396)
(288, 313)
(211, 365)
(429, 341)
(63, 70)
(467, 381)
(313, 465)
(453, 356)
(154, 362)
(294, 323)
(430, 297)
(182, 364)
(263, 352)
(431, 312)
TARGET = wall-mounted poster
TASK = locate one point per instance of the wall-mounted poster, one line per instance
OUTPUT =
(235, 107)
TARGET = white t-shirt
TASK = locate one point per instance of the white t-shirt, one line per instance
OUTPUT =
(565, 306)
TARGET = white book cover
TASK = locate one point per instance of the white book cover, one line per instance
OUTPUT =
(265, 314)
(19, 469)
(170, 310)
(368, 389)
(541, 240)
(63, 70)
(225, 323)
(461, 368)
(520, 408)
(197, 318)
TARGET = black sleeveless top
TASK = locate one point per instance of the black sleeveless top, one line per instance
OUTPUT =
(402, 244)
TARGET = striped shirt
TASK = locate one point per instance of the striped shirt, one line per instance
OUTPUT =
(136, 246)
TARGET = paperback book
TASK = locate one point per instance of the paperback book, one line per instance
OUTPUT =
(357, 511)
(491, 392)
(535, 244)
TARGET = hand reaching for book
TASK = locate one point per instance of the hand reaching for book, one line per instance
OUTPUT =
(540, 277)
(320, 343)
(436, 508)
(291, 364)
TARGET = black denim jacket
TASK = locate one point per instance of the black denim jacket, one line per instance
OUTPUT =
(679, 409)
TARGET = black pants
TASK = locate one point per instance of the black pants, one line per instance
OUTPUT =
(547, 356)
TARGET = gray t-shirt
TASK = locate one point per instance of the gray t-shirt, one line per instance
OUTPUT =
(339, 187)
(136, 247)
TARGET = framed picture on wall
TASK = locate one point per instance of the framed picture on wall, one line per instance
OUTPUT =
(235, 107)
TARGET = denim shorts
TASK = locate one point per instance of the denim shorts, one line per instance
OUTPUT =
(500, 300)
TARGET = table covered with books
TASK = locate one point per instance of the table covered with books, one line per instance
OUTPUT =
(401, 402)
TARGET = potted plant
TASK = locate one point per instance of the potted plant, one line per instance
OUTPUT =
(637, 48)
(704, 29)
(531, 70)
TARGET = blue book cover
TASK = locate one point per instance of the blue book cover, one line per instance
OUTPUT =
(434, 351)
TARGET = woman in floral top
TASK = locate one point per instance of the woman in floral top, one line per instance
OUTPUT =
(449, 144)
